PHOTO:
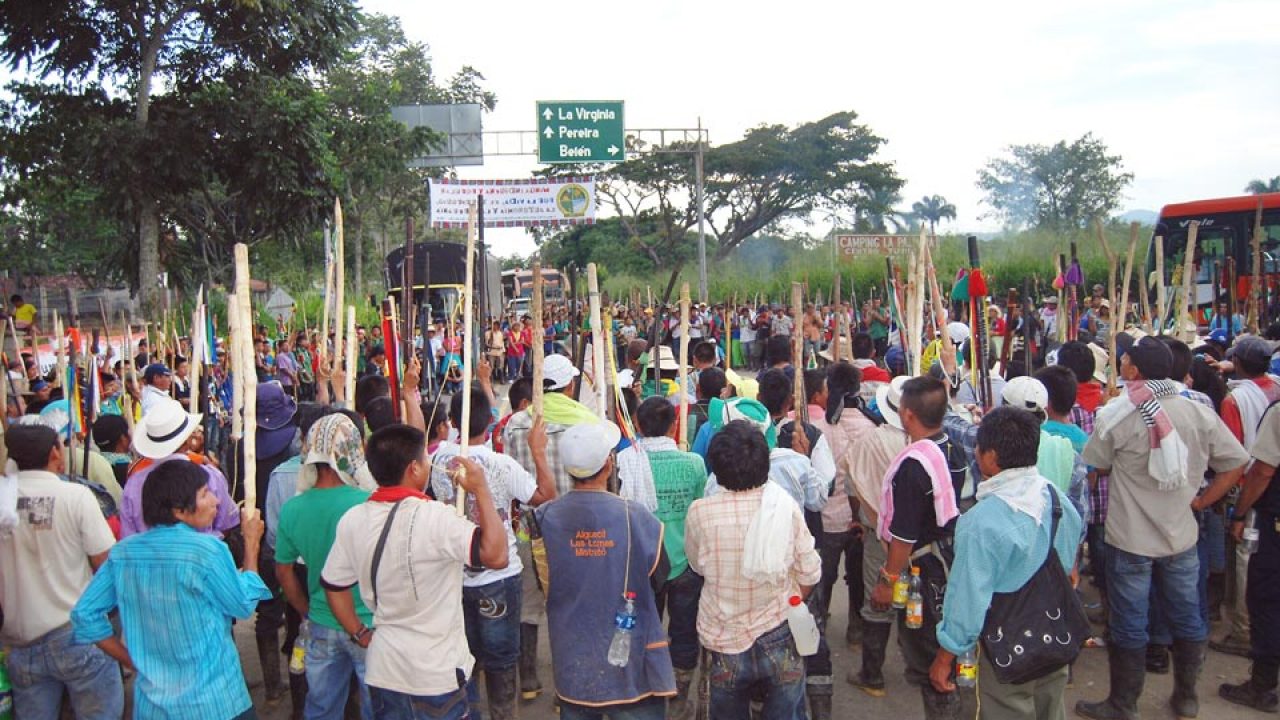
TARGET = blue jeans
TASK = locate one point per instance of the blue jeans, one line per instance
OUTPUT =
(771, 668)
(679, 597)
(331, 658)
(40, 671)
(654, 708)
(1158, 624)
(1130, 580)
(492, 616)
(392, 705)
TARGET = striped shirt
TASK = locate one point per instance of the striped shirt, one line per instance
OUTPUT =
(177, 591)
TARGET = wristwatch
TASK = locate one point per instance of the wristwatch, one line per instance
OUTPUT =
(360, 634)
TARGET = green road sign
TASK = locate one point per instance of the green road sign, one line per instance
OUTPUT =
(581, 132)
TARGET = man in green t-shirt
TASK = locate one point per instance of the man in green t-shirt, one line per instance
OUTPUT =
(677, 479)
(332, 480)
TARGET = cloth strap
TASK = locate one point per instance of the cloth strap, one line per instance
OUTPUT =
(377, 550)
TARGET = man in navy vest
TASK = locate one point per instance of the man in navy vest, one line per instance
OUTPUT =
(601, 550)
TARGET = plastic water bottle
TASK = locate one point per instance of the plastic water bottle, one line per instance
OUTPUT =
(624, 623)
(297, 659)
(804, 629)
(967, 669)
(900, 591)
(915, 601)
(6, 689)
(1249, 538)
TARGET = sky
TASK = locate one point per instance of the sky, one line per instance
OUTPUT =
(1187, 92)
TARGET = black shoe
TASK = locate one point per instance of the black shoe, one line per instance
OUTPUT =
(1247, 695)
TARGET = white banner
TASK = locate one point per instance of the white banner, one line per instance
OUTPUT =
(515, 203)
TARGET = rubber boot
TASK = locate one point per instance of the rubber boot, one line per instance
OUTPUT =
(1217, 590)
(501, 688)
(853, 633)
(530, 686)
(819, 701)
(1258, 692)
(940, 706)
(1188, 658)
(1158, 659)
(681, 706)
(1128, 673)
(297, 694)
(870, 677)
(269, 657)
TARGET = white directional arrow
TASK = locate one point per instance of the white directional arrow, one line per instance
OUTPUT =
(548, 132)
(613, 149)
(546, 114)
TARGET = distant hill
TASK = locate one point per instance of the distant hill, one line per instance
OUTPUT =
(1144, 217)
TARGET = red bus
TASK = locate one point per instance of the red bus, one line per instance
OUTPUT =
(1226, 232)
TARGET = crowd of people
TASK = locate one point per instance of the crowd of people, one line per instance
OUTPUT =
(405, 553)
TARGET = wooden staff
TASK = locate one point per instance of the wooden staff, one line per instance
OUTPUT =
(914, 316)
(598, 381)
(538, 347)
(322, 349)
(1160, 288)
(473, 232)
(235, 357)
(247, 378)
(349, 389)
(1189, 283)
(59, 337)
(797, 360)
(340, 282)
(682, 418)
(837, 351)
(197, 341)
(1256, 310)
(129, 378)
(1118, 316)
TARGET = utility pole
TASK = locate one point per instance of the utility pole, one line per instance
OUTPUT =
(702, 235)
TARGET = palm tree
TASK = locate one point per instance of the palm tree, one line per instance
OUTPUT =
(1259, 187)
(935, 209)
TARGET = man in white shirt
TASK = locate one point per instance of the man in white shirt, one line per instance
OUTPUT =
(418, 658)
(61, 538)
(491, 599)
(156, 381)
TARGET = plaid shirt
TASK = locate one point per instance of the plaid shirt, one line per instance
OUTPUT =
(1098, 492)
(734, 611)
(515, 443)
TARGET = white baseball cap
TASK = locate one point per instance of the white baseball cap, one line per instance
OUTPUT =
(1026, 393)
(585, 448)
(558, 371)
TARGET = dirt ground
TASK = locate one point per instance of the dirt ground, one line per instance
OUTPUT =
(902, 701)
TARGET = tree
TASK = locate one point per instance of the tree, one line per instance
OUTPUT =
(131, 44)
(382, 68)
(1059, 187)
(1260, 187)
(934, 209)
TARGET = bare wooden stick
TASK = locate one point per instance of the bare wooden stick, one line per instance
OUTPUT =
(322, 349)
(538, 347)
(598, 380)
(340, 283)
(1118, 315)
(1186, 313)
(797, 359)
(468, 316)
(682, 419)
(247, 378)
(349, 382)
(837, 349)
(1158, 318)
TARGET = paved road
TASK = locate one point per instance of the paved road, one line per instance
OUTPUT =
(902, 701)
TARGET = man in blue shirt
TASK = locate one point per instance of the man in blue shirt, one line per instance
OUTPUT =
(1000, 543)
(179, 641)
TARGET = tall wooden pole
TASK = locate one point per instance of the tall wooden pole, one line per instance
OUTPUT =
(468, 316)
(322, 348)
(539, 348)
(247, 378)
(797, 360)
(350, 356)
(1158, 319)
(1187, 309)
(682, 419)
(598, 380)
(340, 282)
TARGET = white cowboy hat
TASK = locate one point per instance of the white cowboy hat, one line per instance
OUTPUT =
(889, 399)
(164, 429)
